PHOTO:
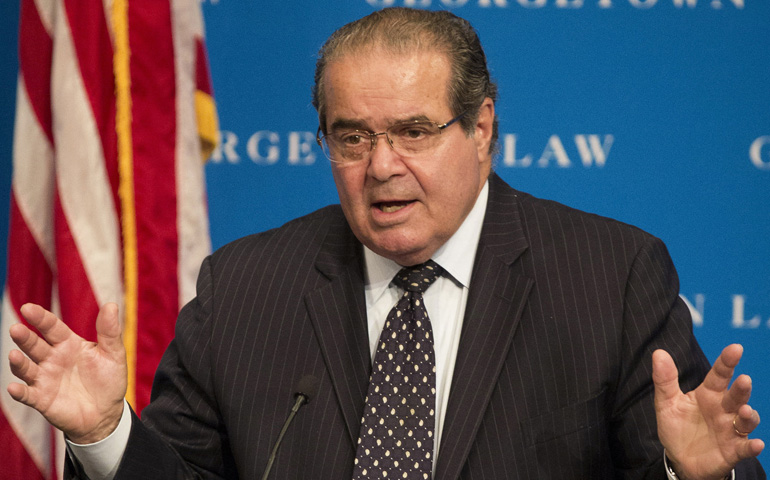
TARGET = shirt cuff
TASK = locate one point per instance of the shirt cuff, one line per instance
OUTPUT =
(672, 475)
(100, 460)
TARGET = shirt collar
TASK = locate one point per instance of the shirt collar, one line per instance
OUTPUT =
(456, 256)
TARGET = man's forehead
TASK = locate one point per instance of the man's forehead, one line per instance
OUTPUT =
(397, 59)
(352, 95)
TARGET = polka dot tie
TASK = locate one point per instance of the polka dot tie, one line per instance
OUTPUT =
(396, 436)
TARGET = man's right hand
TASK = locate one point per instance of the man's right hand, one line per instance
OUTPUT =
(78, 386)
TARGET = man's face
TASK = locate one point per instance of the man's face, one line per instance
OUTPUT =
(404, 208)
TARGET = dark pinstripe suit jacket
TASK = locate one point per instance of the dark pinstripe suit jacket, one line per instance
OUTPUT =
(553, 374)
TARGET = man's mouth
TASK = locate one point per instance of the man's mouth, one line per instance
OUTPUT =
(390, 207)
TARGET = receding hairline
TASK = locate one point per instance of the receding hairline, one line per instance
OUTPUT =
(379, 38)
(382, 51)
(375, 48)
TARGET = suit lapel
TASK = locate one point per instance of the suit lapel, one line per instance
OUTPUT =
(338, 313)
(495, 302)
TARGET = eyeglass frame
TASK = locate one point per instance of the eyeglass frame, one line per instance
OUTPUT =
(319, 136)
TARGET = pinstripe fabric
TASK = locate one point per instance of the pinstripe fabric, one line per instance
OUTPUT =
(553, 374)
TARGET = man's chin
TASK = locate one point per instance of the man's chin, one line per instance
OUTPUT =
(403, 253)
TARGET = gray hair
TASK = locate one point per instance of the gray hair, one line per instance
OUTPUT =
(402, 30)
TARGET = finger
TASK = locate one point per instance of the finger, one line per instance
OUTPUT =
(718, 378)
(53, 330)
(750, 448)
(33, 346)
(664, 376)
(738, 394)
(23, 394)
(746, 420)
(18, 392)
(22, 367)
(108, 332)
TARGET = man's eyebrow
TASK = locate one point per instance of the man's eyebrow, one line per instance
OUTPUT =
(350, 124)
(412, 119)
(347, 124)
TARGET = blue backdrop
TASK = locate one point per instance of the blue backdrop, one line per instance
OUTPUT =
(654, 112)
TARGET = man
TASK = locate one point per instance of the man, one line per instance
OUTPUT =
(543, 320)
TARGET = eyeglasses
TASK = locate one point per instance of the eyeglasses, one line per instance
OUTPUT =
(348, 145)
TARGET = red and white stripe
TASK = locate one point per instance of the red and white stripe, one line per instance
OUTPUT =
(67, 223)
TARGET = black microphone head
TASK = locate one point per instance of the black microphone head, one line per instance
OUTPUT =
(307, 386)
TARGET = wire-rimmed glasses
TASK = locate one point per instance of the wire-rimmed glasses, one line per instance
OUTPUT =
(347, 145)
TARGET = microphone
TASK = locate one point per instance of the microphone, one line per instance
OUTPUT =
(306, 389)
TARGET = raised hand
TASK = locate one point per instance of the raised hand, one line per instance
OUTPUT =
(705, 431)
(78, 386)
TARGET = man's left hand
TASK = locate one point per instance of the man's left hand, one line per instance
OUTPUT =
(705, 432)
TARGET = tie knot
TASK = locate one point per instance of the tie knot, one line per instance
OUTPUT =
(418, 278)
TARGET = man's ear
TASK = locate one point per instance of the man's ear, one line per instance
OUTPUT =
(484, 125)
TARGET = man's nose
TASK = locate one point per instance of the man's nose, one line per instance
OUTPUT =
(384, 161)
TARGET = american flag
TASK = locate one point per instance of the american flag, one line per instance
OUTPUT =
(114, 117)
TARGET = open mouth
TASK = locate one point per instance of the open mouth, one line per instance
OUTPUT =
(390, 207)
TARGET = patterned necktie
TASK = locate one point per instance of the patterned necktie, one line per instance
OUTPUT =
(396, 436)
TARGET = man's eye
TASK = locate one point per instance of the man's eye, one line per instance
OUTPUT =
(411, 132)
(351, 138)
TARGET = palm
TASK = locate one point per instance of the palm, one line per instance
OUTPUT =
(697, 428)
(707, 455)
(78, 386)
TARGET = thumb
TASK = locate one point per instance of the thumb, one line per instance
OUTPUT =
(108, 332)
(665, 377)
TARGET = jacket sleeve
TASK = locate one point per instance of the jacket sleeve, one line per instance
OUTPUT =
(181, 434)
